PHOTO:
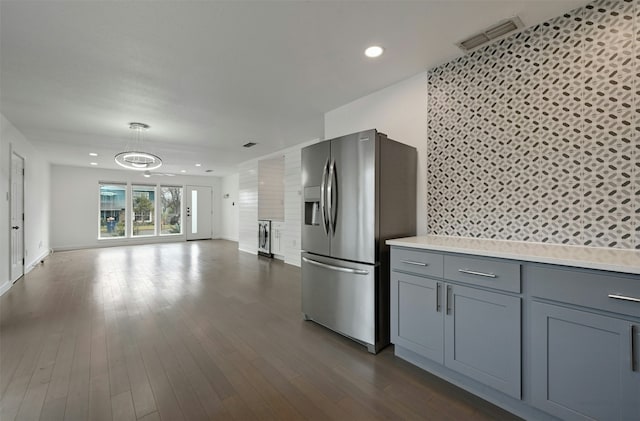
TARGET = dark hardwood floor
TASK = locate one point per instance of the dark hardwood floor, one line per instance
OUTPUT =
(190, 331)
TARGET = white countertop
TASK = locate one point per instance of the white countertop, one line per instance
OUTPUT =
(616, 260)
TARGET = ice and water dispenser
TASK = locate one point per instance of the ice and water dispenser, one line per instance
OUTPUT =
(312, 215)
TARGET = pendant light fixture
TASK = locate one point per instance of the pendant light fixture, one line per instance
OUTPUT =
(136, 159)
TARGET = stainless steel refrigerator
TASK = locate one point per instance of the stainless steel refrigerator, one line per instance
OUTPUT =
(359, 190)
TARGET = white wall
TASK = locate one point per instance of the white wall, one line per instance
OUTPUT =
(291, 238)
(230, 208)
(248, 203)
(271, 189)
(74, 205)
(399, 111)
(36, 200)
(248, 200)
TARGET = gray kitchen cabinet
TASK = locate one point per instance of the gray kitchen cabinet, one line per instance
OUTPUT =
(583, 364)
(483, 337)
(416, 315)
(470, 330)
(546, 341)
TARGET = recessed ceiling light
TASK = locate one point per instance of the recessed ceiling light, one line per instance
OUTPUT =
(93, 163)
(198, 165)
(93, 154)
(374, 51)
(183, 170)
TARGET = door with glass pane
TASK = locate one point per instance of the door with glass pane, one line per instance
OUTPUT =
(198, 221)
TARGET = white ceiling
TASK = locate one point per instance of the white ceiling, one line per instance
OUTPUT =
(210, 76)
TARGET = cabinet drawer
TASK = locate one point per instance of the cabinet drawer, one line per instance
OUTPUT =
(417, 261)
(488, 273)
(585, 288)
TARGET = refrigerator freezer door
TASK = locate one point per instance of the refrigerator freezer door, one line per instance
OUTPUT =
(315, 162)
(341, 296)
(352, 202)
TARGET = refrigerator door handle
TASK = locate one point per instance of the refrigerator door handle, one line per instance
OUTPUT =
(333, 177)
(323, 197)
(338, 268)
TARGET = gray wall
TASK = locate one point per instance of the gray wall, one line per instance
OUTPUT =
(537, 137)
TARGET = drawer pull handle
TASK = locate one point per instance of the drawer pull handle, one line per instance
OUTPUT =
(411, 262)
(624, 298)
(473, 272)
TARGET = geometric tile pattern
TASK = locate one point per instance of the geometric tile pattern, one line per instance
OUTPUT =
(537, 137)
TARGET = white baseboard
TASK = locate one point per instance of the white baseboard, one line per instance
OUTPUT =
(5, 287)
(293, 262)
(120, 243)
(36, 261)
(248, 251)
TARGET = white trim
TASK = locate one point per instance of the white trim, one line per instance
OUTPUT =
(248, 251)
(5, 287)
(294, 262)
(122, 243)
(36, 261)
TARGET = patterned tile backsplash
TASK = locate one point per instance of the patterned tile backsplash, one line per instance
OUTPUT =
(537, 137)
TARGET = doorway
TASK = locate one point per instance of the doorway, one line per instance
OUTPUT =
(17, 217)
(199, 204)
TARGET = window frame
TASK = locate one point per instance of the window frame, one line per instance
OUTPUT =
(132, 188)
(159, 210)
(126, 209)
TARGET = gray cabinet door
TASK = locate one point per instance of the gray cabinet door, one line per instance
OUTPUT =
(416, 315)
(582, 365)
(482, 337)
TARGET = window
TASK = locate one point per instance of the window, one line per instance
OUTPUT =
(143, 205)
(170, 210)
(113, 219)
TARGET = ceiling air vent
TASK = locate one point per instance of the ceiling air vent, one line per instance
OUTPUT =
(249, 144)
(493, 33)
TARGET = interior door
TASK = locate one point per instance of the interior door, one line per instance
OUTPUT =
(199, 213)
(17, 217)
(352, 191)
